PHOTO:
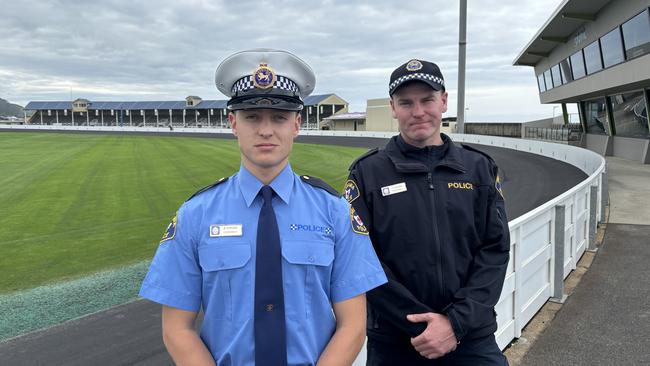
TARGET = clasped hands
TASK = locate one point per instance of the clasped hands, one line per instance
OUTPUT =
(438, 338)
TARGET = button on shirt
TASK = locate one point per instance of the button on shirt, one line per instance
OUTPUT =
(209, 263)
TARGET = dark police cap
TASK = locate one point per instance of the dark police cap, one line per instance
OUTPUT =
(416, 70)
(265, 78)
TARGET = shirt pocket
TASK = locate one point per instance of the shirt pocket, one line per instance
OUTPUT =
(226, 280)
(308, 273)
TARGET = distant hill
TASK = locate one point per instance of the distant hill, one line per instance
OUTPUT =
(7, 109)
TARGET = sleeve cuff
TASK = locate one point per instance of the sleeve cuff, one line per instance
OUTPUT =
(455, 323)
(349, 289)
(170, 298)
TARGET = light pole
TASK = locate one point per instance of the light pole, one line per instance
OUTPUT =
(462, 42)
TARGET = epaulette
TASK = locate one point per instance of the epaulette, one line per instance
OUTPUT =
(208, 187)
(317, 182)
(365, 155)
(470, 148)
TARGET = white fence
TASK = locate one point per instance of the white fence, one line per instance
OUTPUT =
(546, 243)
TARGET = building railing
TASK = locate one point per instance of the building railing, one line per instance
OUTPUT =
(546, 242)
(560, 133)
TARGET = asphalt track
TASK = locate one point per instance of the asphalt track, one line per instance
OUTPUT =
(130, 334)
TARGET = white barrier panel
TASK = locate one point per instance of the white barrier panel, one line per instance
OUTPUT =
(529, 281)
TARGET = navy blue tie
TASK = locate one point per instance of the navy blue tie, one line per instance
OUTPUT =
(270, 328)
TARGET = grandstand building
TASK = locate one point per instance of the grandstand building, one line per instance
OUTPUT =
(596, 53)
(192, 112)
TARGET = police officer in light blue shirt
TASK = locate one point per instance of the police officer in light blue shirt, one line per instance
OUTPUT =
(279, 263)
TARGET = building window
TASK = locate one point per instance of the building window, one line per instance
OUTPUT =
(540, 83)
(612, 47)
(636, 35)
(630, 114)
(596, 116)
(592, 58)
(557, 78)
(565, 69)
(577, 65)
(549, 79)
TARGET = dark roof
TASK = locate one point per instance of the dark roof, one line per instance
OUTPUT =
(567, 18)
(316, 99)
(176, 105)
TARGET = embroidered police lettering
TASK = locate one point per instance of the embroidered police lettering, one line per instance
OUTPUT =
(460, 185)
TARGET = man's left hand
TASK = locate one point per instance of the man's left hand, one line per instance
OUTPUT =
(438, 338)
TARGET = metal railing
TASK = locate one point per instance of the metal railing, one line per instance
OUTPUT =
(559, 133)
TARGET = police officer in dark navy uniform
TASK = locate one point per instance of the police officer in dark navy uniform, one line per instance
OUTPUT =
(278, 262)
(437, 221)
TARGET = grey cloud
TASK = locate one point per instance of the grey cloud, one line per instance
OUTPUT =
(118, 49)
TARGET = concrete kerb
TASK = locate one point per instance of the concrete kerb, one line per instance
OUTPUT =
(540, 322)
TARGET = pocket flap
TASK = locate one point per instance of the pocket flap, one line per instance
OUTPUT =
(224, 256)
(308, 252)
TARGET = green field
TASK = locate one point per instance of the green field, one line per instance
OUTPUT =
(75, 204)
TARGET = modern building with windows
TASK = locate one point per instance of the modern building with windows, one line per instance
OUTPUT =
(596, 53)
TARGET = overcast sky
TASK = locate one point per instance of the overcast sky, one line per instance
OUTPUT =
(167, 50)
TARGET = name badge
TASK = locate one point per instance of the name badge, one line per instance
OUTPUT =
(392, 189)
(225, 230)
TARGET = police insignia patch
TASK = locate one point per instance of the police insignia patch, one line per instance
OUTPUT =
(497, 185)
(264, 77)
(350, 191)
(170, 231)
(357, 225)
(413, 65)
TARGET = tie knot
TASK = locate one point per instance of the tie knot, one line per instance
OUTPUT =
(267, 193)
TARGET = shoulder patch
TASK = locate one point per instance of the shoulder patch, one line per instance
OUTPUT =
(170, 231)
(357, 224)
(319, 183)
(497, 185)
(350, 191)
(207, 187)
(470, 148)
(365, 155)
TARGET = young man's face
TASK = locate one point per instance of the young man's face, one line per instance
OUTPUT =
(418, 109)
(265, 136)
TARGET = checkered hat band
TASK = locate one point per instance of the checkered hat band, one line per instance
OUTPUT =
(282, 83)
(416, 76)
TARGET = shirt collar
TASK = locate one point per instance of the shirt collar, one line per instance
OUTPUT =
(250, 185)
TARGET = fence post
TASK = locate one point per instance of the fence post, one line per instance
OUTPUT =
(558, 255)
(593, 206)
(604, 195)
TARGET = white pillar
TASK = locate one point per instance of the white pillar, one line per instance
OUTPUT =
(41, 112)
(144, 119)
(196, 118)
(170, 117)
(209, 116)
(184, 118)
(130, 118)
(317, 116)
(157, 118)
(72, 114)
(102, 113)
(57, 116)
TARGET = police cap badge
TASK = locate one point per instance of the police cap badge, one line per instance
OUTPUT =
(265, 78)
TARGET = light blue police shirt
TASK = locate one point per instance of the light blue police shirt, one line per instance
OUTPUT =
(207, 259)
